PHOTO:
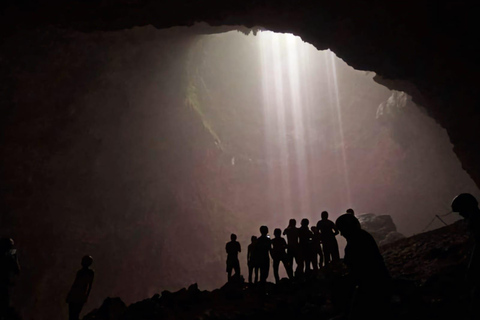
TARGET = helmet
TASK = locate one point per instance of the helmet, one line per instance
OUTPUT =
(464, 202)
(347, 223)
(87, 261)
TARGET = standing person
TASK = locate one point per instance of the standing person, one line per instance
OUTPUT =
(9, 269)
(368, 270)
(233, 248)
(252, 260)
(293, 250)
(306, 245)
(317, 248)
(262, 252)
(329, 231)
(80, 290)
(467, 206)
(279, 245)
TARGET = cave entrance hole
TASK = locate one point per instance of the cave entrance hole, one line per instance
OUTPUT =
(329, 137)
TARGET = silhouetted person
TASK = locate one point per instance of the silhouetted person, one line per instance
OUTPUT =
(306, 245)
(279, 245)
(80, 290)
(351, 211)
(262, 251)
(328, 230)
(293, 248)
(467, 206)
(233, 248)
(9, 269)
(317, 247)
(367, 269)
(252, 260)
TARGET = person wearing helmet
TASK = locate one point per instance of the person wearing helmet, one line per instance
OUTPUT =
(367, 269)
(80, 290)
(467, 206)
(233, 248)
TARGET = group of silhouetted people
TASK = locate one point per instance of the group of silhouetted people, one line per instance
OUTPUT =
(311, 248)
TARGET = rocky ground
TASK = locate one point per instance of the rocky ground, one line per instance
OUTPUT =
(428, 271)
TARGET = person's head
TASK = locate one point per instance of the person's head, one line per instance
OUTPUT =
(277, 233)
(347, 224)
(87, 261)
(253, 239)
(263, 230)
(314, 229)
(233, 237)
(324, 215)
(292, 223)
(350, 211)
(304, 222)
(465, 204)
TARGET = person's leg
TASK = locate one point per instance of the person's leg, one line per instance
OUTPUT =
(276, 264)
(326, 253)
(229, 272)
(290, 256)
(300, 264)
(313, 260)
(288, 268)
(264, 270)
(4, 299)
(320, 253)
(237, 269)
(307, 260)
(256, 274)
(74, 310)
(335, 251)
(250, 269)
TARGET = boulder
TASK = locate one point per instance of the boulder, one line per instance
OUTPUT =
(381, 227)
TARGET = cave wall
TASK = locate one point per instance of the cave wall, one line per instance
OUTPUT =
(422, 47)
(417, 47)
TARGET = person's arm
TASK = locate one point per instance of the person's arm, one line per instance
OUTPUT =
(334, 227)
(226, 248)
(249, 253)
(71, 289)
(16, 266)
(90, 282)
(239, 247)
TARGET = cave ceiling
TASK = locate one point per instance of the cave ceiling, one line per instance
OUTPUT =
(422, 47)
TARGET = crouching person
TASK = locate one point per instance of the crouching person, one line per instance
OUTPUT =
(365, 263)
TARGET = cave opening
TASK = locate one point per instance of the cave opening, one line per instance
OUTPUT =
(121, 145)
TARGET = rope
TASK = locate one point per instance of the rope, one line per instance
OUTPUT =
(429, 224)
(439, 218)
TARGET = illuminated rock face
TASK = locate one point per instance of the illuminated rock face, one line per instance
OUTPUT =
(413, 46)
(381, 227)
